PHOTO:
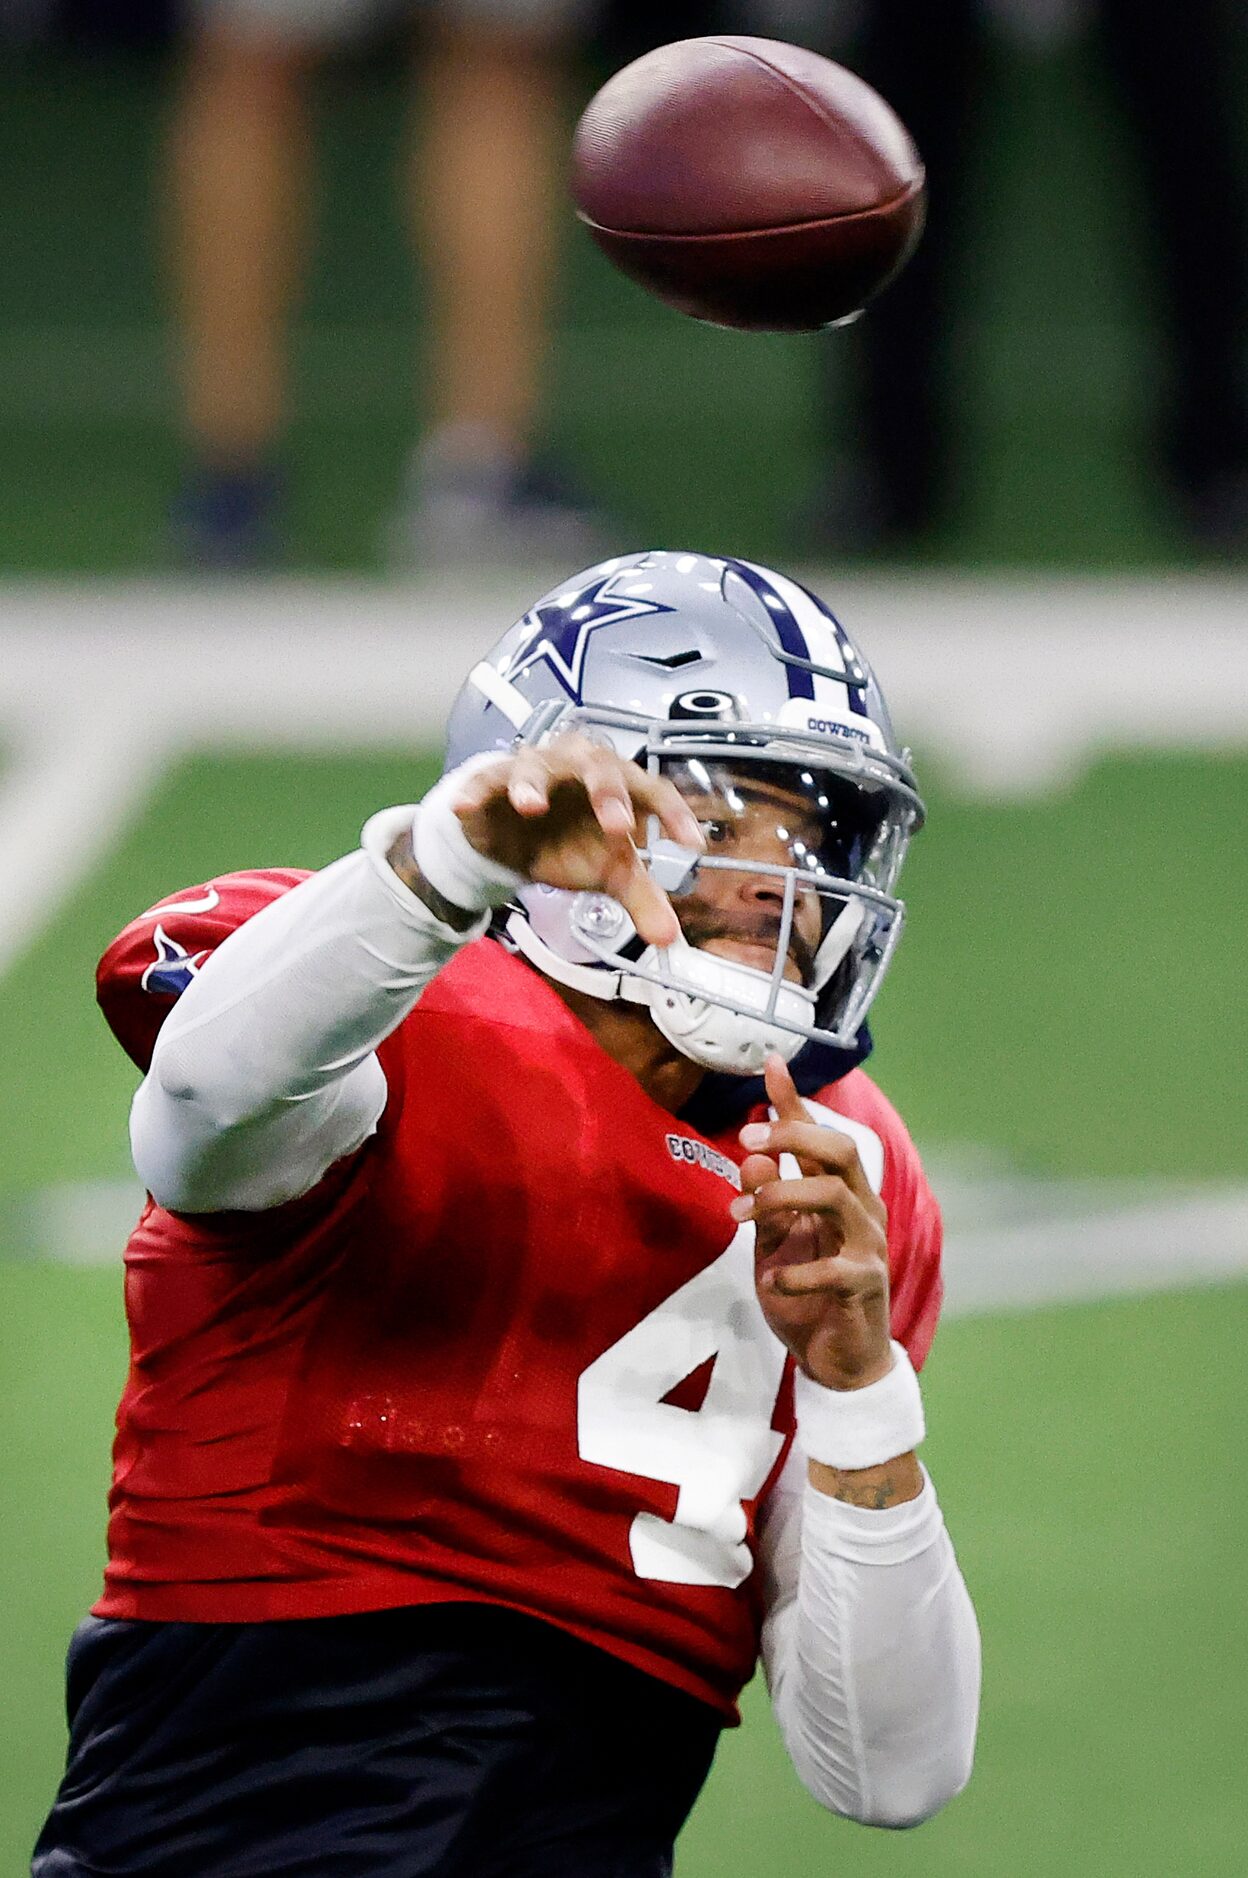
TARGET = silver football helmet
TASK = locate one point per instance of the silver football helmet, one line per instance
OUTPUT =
(744, 689)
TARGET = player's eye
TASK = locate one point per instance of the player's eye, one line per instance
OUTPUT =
(716, 832)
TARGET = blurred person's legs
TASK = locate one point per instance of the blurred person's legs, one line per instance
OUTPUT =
(486, 201)
(1172, 73)
(240, 183)
(484, 197)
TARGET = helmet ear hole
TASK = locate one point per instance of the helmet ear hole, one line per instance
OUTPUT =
(597, 919)
(564, 921)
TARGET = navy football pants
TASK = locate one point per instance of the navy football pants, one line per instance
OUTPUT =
(445, 1741)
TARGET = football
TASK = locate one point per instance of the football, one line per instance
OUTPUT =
(748, 182)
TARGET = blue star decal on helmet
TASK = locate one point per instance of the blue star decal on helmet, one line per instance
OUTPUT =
(173, 968)
(559, 632)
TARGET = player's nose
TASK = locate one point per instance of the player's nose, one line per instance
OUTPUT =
(765, 892)
(761, 889)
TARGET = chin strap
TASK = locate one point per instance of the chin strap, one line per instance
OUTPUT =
(737, 1040)
(596, 981)
(734, 1041)
(837, 940)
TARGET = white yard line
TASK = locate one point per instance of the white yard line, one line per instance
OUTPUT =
(69, 788)
(1012, 684)
(1111, 1239)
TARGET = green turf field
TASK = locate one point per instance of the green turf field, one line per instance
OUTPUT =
(1068, 998)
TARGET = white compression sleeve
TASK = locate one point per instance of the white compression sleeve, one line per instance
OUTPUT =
(871, 1651)
(264, 1073)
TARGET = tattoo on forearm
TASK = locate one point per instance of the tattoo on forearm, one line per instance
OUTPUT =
(876, 1495)
(889, 1483)
(403, 861)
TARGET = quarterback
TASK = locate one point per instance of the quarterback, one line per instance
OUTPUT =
(526, 1311)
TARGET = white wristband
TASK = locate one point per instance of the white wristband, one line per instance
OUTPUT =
(447, 858)
(860, 1427)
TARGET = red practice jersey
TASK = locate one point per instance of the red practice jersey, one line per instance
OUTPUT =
(509, 1351)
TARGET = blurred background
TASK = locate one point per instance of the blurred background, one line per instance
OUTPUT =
(309, 384)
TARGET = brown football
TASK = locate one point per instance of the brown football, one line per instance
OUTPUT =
(748, 182)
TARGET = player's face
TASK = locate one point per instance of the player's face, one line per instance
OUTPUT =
(746, 816)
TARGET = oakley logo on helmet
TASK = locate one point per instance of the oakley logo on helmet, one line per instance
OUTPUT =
(708, 704)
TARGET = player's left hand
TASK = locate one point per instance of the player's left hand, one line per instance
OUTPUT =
(821, 1242)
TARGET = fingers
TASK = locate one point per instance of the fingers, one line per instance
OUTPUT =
(826, 1194)
(626, 880)
(659, 797)
(756, 1171)
(782, 1091)
(620, 793)
(528, 784)
(817, 1276)
(476, 790)
(815, 1148)
(623, 796)
(788, 1104)
(550, 789)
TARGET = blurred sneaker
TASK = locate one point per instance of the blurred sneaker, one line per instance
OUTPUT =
(470, 503)
(226, 521)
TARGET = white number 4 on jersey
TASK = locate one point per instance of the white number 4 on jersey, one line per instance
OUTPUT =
(721, 1454)
(717, 1456)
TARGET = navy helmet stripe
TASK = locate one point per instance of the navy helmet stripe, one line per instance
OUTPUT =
(794, 645)
(788, 632)
(852, 662)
